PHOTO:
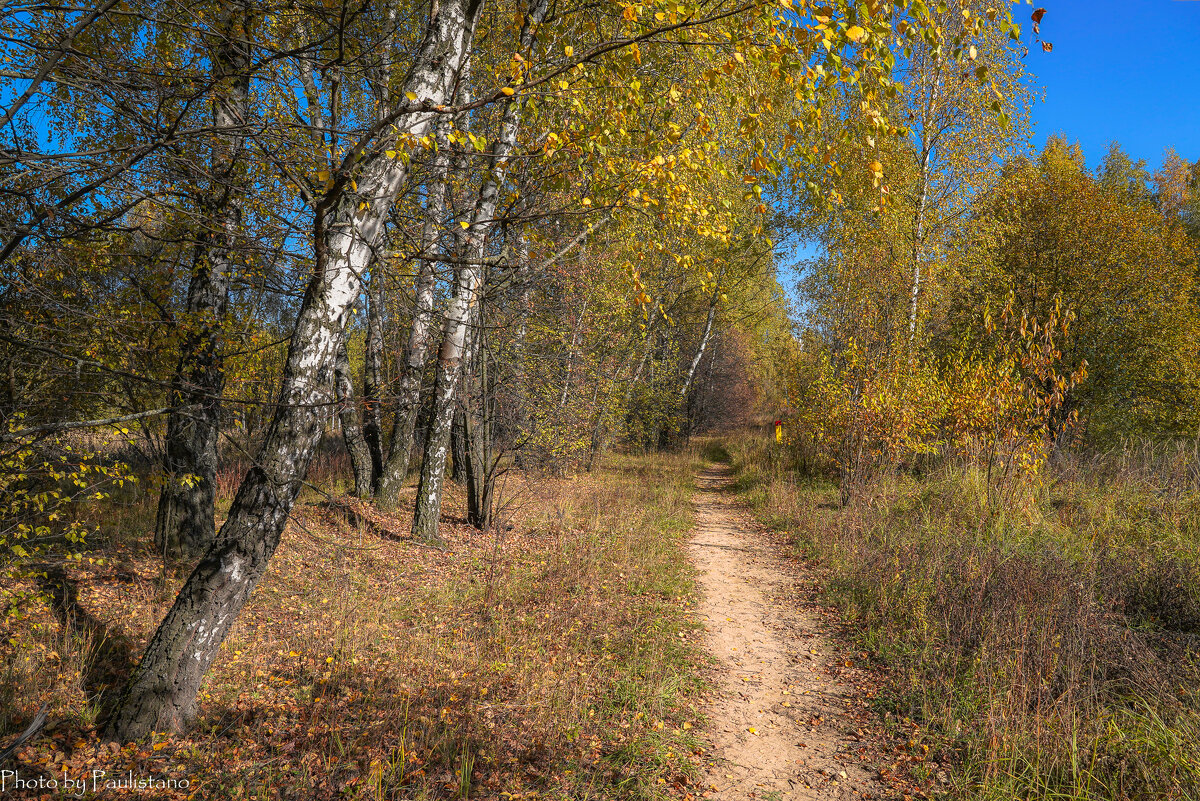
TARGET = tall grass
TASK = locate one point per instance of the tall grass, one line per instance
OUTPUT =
(1049, 646)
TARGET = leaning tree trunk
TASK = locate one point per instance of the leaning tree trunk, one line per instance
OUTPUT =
(185, 526)
(352, 429)
(161, 695)
(464, 307)
(708, 324)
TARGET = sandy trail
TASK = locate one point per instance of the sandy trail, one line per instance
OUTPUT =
(777, 723)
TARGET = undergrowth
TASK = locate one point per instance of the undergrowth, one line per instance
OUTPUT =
(552, 657)
(1048, 647)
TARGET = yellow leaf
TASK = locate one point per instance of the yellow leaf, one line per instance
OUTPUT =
(855, 33)
(508, 90)
(323, 176)
(465, 224)
(569, 51)
(391, 154)
(412, 96)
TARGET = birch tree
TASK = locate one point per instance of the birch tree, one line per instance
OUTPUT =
(185, 526)
(161, 696)
(464, 305)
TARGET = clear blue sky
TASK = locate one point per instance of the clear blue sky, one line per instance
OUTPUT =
(1124, 71)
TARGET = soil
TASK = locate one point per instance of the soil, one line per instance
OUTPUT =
(782, 724)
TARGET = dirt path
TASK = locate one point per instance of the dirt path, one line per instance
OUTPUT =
(778, 723)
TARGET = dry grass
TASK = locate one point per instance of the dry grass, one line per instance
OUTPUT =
(1048, 648)
(552, 660)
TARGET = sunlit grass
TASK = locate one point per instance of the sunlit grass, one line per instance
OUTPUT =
(555, 657)
(1047, 647)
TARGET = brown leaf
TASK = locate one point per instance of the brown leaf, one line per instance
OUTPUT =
(1047, 46)
(1037, 15)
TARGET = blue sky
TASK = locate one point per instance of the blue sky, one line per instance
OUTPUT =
(1124, 71)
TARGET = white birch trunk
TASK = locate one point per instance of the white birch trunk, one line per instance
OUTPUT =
(162, 693)
(464, 306)
(416, 349)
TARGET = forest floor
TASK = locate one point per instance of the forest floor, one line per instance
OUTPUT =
(789, 718)
(626, 634)
(553, 657)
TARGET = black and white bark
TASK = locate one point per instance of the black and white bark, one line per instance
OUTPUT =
(352, 428)
(705, 334)
(161, 695)
(464, 306)
(420, 334)
(185, 524)
(927, 132)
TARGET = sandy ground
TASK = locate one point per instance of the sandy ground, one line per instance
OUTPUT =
(778, 724)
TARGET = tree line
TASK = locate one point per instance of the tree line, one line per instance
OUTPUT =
(974, 297)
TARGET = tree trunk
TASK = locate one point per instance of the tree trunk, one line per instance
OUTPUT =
(481, 468)
(161, 695)
(918, 243)
(416, 350)
(565, 394)
(596, 445)
(518, 418)
(463, 308)
(458, 448)
(372, 427)
(708, 324)
(647, 348)
(918, 250)
(185, 525)
(352, 430)
(478, 418)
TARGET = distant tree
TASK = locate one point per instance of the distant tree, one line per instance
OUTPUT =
(1128, 273)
